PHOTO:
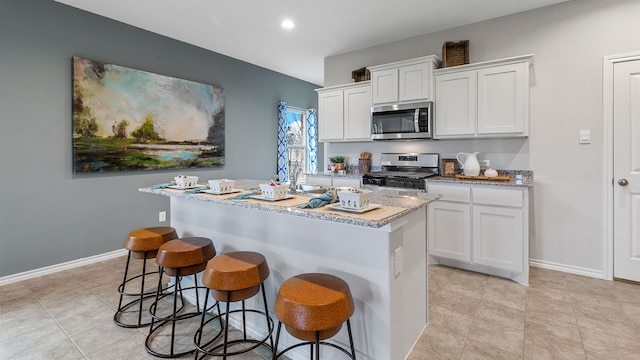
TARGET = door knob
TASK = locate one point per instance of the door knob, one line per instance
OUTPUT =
(623, 182)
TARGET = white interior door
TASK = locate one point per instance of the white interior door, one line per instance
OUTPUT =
(626, 170)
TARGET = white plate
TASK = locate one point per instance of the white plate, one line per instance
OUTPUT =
(186, 188)
(261, 197)
(209, 191)
(338, 206)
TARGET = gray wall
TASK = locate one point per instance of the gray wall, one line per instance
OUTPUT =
(48, 215)
(569, 41)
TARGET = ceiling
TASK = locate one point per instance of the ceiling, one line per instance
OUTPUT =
(249, 30)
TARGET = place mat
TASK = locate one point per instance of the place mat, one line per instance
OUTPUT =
(378, 214)
(292, 202)
(203, 194)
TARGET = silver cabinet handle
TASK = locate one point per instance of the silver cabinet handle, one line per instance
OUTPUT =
(623, 182)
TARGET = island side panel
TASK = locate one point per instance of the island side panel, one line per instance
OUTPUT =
(362, 256)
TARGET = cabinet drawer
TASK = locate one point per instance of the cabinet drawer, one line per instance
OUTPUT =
(451, 193)
(500, 197)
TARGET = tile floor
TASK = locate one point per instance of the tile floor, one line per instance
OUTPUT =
(68, 315)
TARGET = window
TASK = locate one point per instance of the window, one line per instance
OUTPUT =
(297, 143)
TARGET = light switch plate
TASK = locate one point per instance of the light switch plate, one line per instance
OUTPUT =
(585, 136)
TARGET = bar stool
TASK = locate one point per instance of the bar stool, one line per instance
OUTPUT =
(313, 308)
(233, 277)
(178, 258)
(141, 244)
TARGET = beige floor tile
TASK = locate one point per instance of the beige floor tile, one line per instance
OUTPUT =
(482, 351)
(438, 344)
(538, 347)
(23, 318)
(506, 293)
(454, 322)
(497, 336)
(604, 344)
(506, 316)
(559, 331)
(456, 302)
(46, 343)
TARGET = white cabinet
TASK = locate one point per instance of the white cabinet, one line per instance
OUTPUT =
(449, 230)
(481, 228)
(403, 81)
(488, 99)
(335, 181)
(344, 112)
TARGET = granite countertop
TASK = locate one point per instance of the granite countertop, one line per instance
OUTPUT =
(519, 178)
(397, 203)
(350, 174)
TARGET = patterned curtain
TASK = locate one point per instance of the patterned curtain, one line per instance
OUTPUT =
(283, 167)
(312, 140)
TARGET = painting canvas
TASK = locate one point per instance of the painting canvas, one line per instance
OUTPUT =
(126, 119)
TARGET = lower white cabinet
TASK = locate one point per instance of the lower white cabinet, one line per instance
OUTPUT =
(481, 228)
(334, 181)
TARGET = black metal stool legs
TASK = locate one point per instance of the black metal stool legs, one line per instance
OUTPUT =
(222, 350)
(314, 346)
(141, 296)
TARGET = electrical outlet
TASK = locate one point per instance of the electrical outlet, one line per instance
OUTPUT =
(485, 163)
(397, 261)
(162, 216)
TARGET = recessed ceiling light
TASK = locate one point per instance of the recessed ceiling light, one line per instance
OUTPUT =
(287, 24)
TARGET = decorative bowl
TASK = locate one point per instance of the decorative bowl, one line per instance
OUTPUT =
(274, 192)
(221, 185)
(355, 198)
(185, 181)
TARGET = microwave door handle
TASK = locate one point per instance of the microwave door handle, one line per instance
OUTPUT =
(416, 123)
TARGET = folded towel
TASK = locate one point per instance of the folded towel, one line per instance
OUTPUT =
(160, 186)
(319, 201)
(243, 196)
(196, 190)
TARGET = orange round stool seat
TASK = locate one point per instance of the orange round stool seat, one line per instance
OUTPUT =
(313, 308)
(232, 277)
(180, 257)
(142, 244)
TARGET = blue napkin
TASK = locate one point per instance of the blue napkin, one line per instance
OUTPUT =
(160, 186)
(243, 196)
(196, 190)
(319, 201)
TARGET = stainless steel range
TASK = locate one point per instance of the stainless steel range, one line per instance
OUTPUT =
(405, 171)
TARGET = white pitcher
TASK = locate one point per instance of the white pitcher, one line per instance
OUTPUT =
(471, 166)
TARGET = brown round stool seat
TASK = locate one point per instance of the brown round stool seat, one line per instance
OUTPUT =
(313, 307)
(186, 256)
(180, 257)
(238, 273)
(148, 240)
(142, 244)
(232, 277)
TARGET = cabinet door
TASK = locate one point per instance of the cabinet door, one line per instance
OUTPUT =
(498, 237)
(503, 100)
(331, 115)
(455, 104)
(414, 82)
(346, 182)
(357, 116)
(384, 86)
(449, 230)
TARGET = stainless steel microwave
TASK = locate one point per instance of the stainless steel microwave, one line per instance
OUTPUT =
(402, 121)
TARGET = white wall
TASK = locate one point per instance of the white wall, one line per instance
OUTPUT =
(569, 41)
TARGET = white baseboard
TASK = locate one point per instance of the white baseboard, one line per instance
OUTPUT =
(9, 279)
(576, 270)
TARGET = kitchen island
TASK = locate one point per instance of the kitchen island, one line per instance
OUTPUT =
(381, 254)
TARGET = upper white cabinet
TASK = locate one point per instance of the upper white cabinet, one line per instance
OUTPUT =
(344, 112)
(403, 81)
(488, 99)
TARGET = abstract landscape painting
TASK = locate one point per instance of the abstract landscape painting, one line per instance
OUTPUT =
(126, 119)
